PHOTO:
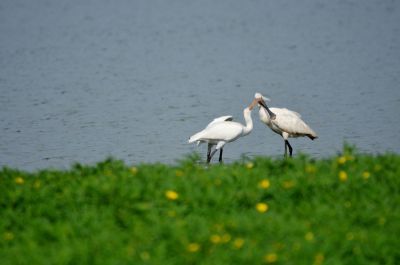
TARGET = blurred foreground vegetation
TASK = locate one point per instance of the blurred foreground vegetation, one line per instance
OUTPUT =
(339, 210)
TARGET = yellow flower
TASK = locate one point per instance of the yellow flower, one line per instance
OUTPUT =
(350, 236)
(226, 238)
(179, 173)
(134, 170)
(310, 169)
(8, 236)
(288, 184)
(262, 207)
(215, 239)
(341, 160)
(309, 236)
(238, 243)
(130, 250)
(278, 245)
(366, 175)
(171, 195)
(108, 173)
(357, 250)
(342, 176)
(249, 165)
(264, 184)
(218, 227)
(217, 182)
(145, 255)
(19, 180)
(296, 246)
(36, 184)
(271, 257)
(171, 213)
(319, 258)
(193, 247)
(377, 168)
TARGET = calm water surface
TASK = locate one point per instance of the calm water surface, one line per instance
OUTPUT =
(83, 80)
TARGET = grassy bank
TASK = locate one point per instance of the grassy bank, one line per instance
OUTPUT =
(342, 210)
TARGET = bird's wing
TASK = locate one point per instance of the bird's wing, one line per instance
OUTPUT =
(220, 119)
(222, 131)
(291, 123)
(285, 111)
(198, 136)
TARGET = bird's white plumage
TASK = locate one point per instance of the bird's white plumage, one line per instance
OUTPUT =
(223, 130)
(220, 119)
(286, 123)
(226, 131)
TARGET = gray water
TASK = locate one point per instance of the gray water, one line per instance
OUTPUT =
(84, 80)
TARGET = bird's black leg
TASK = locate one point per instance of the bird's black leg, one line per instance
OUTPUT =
(220, 155)
(290, 148)
(285, 148)
(212, 153)
(209, 153)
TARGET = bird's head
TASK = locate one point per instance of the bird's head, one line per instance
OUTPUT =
(260, 96)
(261, 103)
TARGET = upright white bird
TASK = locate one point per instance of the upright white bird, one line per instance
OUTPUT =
(284, 122)
(223, 130)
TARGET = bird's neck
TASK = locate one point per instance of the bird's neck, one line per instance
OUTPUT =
(249, 122)
(264, 116)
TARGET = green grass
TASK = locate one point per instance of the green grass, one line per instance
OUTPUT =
(339, 210)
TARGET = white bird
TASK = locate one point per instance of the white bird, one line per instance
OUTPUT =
(223, 130)
(284, 122)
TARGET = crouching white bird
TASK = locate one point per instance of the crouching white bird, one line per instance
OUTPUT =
(284, 122)
(223, 130)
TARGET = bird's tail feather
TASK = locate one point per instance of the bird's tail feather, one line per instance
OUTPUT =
(195, 137)
(312, 137)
